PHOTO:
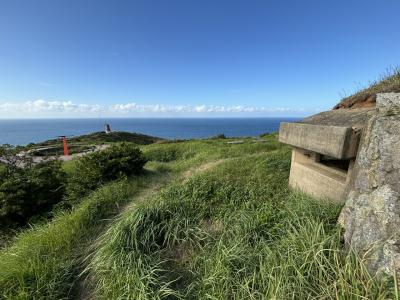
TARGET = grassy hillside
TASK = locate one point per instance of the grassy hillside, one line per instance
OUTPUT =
(390, 82)
(85, 142)
(209, 220)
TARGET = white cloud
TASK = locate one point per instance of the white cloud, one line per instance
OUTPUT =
(43, 106)
(201, 109)
(62, 108)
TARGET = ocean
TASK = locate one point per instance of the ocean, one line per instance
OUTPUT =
(23, 131)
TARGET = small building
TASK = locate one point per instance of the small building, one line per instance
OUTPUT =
(324, 150)
(107, 128)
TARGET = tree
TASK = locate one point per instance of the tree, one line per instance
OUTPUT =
(95, 169)
(28, 189)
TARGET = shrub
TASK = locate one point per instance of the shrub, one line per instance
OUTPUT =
(42, 262)
(30, 190)
(95, 169)
(218, 136)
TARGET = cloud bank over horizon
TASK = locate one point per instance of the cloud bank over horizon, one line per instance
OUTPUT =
(43, 108)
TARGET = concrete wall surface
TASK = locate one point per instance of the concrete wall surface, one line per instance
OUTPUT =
(315, 179)
(335, 141)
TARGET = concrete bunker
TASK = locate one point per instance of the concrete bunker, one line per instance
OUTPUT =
(352, 155)
(324, 151)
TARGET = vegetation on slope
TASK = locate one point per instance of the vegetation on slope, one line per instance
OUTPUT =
(43, 261)
(223, 226)
(91, 171)
(27, 189)
(89, 141)
(390, 82)
(234, 232)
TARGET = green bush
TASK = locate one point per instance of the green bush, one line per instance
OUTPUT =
(91, 171)
(218, 136)
(42, 262)
(30, 190)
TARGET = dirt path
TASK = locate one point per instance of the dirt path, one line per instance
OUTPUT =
(202, 168)
(83, 287)
(84, 284)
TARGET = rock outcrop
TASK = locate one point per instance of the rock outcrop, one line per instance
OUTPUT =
(371, 215)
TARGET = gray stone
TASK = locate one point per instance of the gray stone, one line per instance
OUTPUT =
(371, 215)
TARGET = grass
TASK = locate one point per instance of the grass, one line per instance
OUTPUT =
(214, 221)
(43, 261)
(88, 142)
(234, 232)
(99, 138)
(68, 166)
(388, 82)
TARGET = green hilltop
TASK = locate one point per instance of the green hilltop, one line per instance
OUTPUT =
(207, 219)
(204, 219)
(89, 141)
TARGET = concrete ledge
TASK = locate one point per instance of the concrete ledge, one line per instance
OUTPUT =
(335, 141)
(317, 181)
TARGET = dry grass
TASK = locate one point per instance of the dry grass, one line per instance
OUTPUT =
(387, 83)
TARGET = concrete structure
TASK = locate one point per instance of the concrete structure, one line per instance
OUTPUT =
(324, 150)
(353, 156)
(371, 215)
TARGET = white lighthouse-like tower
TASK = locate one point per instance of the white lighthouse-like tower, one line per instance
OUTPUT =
(107, 128)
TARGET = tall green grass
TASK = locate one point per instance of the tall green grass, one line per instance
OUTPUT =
(183, 155)
(44, 261)
(235, 232)
(230, 231)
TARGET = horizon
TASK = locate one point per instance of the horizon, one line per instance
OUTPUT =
(152, 117)
(190, 59)
(25, 131)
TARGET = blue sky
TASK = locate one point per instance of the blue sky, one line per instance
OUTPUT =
(190, 58)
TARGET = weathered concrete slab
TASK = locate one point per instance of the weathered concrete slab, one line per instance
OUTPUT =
(315, 179)
(335, 141)
(317, 182)
(355, 118)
